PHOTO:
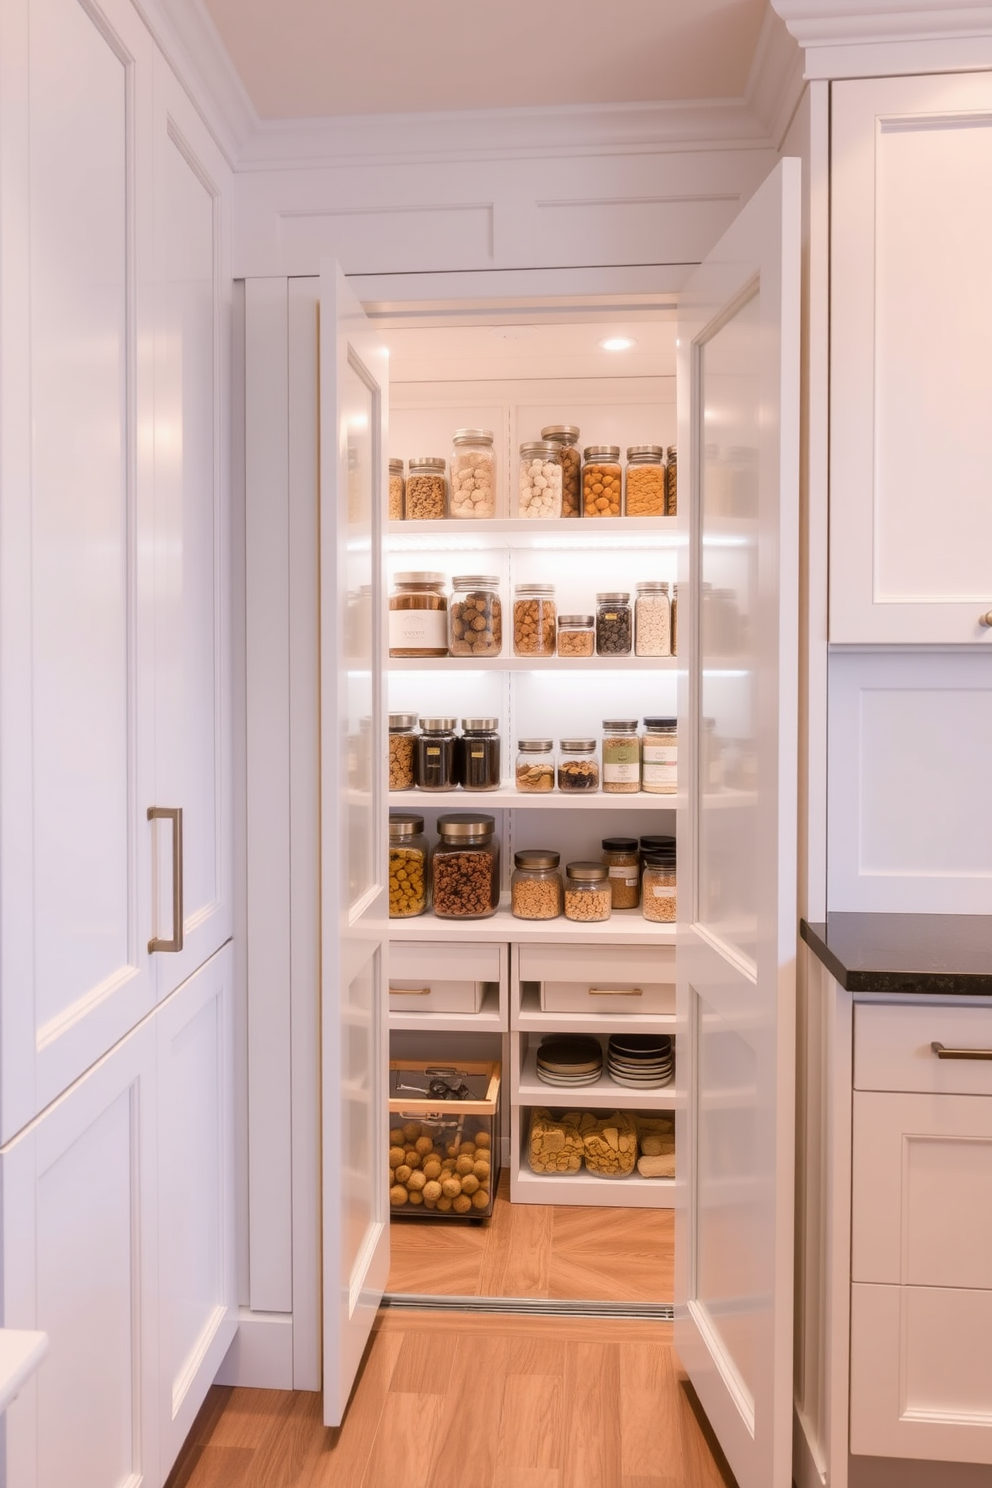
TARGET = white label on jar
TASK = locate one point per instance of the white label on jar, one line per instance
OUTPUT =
(622, 874)
(626, 774)
(418, 630)
(661, 891)
(660, 764)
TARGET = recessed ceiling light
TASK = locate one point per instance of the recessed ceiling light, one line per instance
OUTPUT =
(617, 343)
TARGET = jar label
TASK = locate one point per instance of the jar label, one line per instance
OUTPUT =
(477, 754)
(623, 874)
(622, 773)
(663, 891)
(413, 629)
(660, 764)
(432, 749)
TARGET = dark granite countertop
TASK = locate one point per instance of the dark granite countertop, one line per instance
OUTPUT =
(934, 955)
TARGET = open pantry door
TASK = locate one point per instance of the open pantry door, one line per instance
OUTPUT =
(738, 421)
(353, 404)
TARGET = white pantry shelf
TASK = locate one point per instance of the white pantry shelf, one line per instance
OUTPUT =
(559, 664)
(508, 797)
(624, 927)
(587, 1188)
(604, 1095)
(557, 534)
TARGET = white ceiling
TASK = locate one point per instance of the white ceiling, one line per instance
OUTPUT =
(310, 58)
(523, 349)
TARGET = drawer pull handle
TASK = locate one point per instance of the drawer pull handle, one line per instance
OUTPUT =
(409, 991)
(985, 619)
(173, 814)
(944, 1053)
(615, 992)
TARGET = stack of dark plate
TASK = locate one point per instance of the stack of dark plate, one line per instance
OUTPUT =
(640, 1061)
(569, 1061)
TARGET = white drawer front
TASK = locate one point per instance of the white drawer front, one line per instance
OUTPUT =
(611, 966)
(921, 1373)
(434, 961)
(893, 1048)
(435, 997)
(612, 996)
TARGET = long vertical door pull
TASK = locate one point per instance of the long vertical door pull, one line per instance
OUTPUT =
(175, 815)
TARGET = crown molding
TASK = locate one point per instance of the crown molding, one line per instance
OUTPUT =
(191, 43)
(777, 78)
(835, 23)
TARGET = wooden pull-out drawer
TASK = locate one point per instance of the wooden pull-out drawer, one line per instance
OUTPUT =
(893, 1048)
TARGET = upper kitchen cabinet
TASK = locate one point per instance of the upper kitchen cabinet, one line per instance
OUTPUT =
(911, 360)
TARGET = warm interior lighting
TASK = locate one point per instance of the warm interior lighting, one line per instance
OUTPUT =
(617, 343)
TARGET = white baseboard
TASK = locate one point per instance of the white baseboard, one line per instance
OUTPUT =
(262, 1352)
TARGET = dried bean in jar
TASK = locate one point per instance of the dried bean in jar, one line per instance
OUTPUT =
(475, 617)
(613, 627)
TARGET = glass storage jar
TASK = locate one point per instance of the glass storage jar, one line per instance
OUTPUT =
(623, 860)
(652, 620)
(396, 490)
(655, 843)
(535, 885)
(578, 768)
(473, 474)
(576, 635)
(535, 769)
(660, 756)
(466, 867)
(671, 484)
(613, 623)
(566, 436)
(477, 755)
(402, 747)
(621, 756)
(645, 484)
(534, 620)
(587, 892)
(539, 482)
(475, 616)
(434, 767)
(658, 887)
(601, 481)
(426, 496)
(409, 866)
(418, 615)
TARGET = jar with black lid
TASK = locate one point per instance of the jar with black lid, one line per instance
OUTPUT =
(622, 858)
(478, 755)
(658, 900)
(566, 436)
(613, 623)
(466, 867)
(535, 884)
(402, 747)
(435, 756)
(659, 756)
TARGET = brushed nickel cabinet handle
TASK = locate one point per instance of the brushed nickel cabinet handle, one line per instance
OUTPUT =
(985, 619)
(174, 814)
(409, 991)
(944, 1053)
(615, 992)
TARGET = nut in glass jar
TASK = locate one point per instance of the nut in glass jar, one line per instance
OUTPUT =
(535, 769)
(535, 620)
(473, 474)
(426, 495)
(540, 481)
(475, 616)
(601, 481)
(566, 436)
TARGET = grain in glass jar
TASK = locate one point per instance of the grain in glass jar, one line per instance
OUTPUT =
(402, 747)
(671, 484)
(587, 892)
(535, 620)
(535, 885)
(658, 887)
(566, 436)
(418, 615)
(660, 757)
(539, 483)
(473, 474)
(426, 495)
(475, 616)
(645, 495)
(578, 767)
(434, 757)
(623, 860)
(621, 756)
(576, 635)
(613, 623)
(535, 768)
(652, 620)
(409, 866)
(396, 490)
(477, 755)
(466, 867)
(601, 480)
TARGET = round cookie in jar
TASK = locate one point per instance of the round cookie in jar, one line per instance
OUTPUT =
(473, 474)
(587, 892)
(475, 616)
(601, 481)
(566, 436)
(539, 485)
(535, 884)
(535, 620)
(645, 481)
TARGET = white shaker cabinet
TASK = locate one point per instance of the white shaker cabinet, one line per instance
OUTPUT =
(911, 360)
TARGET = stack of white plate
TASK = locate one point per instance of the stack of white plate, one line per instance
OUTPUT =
(570, 1061)
(640, 1061)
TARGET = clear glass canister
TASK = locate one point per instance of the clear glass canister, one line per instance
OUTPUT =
(601, 481)
(473, 474)
(645, 493)
(535, 768)
(475, 616)
(566, 436)
(658, 887)
(478, 755)
(622, 858)
(578, 767)
(535, 885)
(426, 495)
(466, 867)
(621, 756)
(576, 635)
(535, 620)
(402, 748)
(418, 615)
(672, 484)
(409, 866)
(540, 480)
(396, 490)
(652, 620)
(614, 625)
(587, 892)
(660, 756)
(435, 754)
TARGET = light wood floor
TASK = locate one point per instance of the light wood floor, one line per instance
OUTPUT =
(457, 1401)
(539, 1250)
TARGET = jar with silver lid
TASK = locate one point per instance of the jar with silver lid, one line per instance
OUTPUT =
(535, 620)
(475, 616)
(621, 756)
(396, 490)
(601, 481)
(402, 747)
(539, 483)
(477, 755)
(409, 866)
(587, 892)
(426, 495)
(645, 484)
(435, 754)
(418, 615)
(672, 483)
(652, 620)
(566, 436)
(466, 867)
(535, 885)
(576, 635)
(578, 767)
(473, 474)
(535, 769)
(613, 623)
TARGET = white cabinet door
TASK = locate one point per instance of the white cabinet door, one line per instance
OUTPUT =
(911, 360)
(736, 947)
(353, 756)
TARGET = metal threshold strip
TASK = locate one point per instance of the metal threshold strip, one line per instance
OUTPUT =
(655, 1312)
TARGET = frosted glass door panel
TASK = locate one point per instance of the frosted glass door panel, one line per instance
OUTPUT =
(361, 422)
(363, 1207)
